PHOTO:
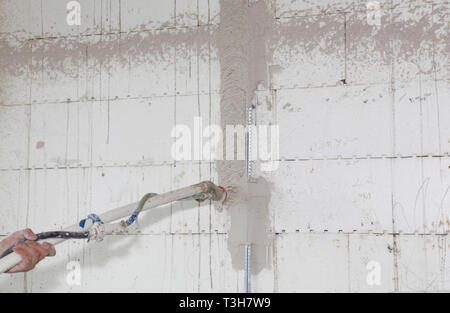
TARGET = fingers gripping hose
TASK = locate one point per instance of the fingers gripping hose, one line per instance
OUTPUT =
(97, 232)
(96, 227)
(47, 235)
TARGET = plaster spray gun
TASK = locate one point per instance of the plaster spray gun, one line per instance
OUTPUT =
(96, 227)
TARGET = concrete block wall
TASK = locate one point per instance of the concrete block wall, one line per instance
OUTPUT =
(86, 114)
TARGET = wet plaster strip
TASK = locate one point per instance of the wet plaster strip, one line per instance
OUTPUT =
(243, 58)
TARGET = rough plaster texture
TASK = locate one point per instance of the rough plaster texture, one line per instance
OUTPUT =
(85, 119)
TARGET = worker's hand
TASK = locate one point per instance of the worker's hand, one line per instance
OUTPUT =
(30, 251)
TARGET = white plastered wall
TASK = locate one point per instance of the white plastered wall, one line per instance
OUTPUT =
(86, 114)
